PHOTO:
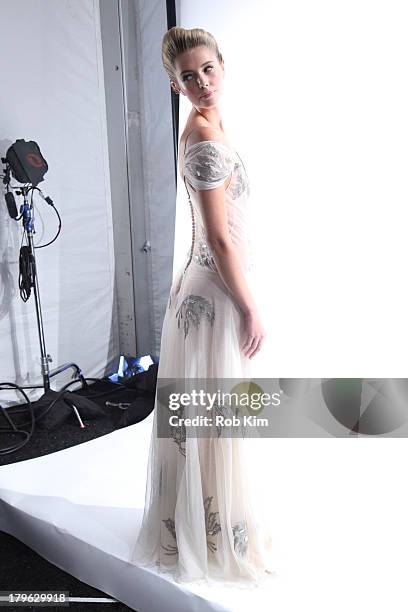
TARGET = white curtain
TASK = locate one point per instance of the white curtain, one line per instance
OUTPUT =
(53, 93)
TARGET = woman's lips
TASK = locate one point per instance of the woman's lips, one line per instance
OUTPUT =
(207, 95)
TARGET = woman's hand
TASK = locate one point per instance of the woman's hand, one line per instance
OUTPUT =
(252, 333)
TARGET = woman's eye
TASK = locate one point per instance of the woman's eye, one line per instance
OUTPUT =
(187, 76)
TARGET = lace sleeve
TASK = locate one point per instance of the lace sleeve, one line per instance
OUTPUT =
(208, 164)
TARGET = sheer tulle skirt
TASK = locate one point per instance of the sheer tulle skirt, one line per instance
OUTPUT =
(198, 522)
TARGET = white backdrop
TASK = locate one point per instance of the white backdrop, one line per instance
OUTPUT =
(316, 97)
(53, 93)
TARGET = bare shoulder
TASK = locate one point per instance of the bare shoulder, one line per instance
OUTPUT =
(197, 132)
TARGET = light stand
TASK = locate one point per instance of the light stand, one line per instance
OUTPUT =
(26, 164)
(28, 224)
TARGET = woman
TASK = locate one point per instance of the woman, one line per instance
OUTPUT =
(197, 521)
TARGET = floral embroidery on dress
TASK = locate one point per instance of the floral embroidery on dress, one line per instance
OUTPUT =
(204, 256)
(179, 432)
(240, 538)
(212, 527)
(208, 164)
(192, 309)
(171, 549)
(240, 184)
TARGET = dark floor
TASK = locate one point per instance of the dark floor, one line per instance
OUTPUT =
(21, 568)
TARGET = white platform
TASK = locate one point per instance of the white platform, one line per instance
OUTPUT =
(81, 508)
(338, 514)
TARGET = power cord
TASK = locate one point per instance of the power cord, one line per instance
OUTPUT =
(13, 410)
(22, 432)
(26, 273)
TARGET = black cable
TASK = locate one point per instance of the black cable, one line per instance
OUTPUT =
(41, 246)
(26, 273)
(38, 417)
(51, 203)
(14, 430)
(26, 262)
(18, 409)
(13, 410)
(48, 200)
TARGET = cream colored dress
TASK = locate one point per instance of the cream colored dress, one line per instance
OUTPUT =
(198, 523)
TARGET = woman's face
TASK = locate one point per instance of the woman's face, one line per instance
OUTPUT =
(196, 68)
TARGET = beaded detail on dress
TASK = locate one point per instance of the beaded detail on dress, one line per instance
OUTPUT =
(240, 183)
(192, 309)
(179, 432)
(212, 528)
(240, 532)
(208, 164)
(203, 255)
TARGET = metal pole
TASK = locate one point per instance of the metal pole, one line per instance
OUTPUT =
(45, 369)
(28, 223)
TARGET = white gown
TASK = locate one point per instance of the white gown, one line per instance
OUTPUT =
(198, 523)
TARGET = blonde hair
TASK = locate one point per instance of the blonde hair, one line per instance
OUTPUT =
(177, 40)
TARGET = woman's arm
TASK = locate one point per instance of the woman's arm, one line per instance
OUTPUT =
(213, 209)
(212, 203)
(226, 257)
